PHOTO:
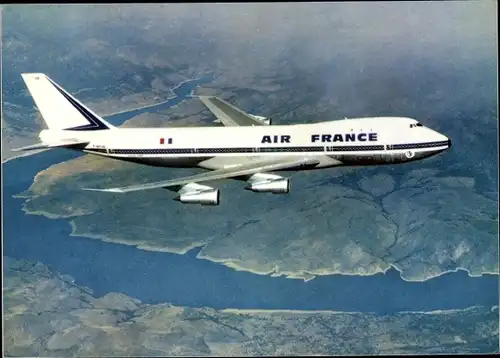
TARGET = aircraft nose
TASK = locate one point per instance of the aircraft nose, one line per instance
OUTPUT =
(439, 137)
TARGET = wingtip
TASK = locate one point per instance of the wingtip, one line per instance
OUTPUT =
(205, 97)
(32, 74)
(110, 190)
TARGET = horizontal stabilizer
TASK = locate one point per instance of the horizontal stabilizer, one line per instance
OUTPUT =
(225, 173)
(63, 144)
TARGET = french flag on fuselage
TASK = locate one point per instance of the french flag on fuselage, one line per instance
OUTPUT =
(162, 141)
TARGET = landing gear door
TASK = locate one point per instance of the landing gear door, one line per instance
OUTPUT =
(388, 154)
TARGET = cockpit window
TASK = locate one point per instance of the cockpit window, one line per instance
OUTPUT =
(415, 125)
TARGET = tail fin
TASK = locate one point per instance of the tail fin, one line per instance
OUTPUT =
(59, 109)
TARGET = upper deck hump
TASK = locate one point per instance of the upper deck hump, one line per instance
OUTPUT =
(341, 124)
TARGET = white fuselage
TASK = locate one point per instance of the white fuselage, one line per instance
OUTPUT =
(362, 141)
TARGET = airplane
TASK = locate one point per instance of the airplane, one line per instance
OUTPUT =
(247, 148)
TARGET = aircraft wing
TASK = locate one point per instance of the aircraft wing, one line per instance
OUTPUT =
(225, 173)
(228, 114)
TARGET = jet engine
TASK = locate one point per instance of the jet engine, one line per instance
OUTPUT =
(193, 193)
(268, 183)
(266, 120)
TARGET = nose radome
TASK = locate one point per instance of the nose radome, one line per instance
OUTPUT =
(445, 139)
(438, 137)
(441, 137)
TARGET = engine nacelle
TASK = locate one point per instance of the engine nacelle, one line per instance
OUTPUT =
(266, 120)
(198, 194)
(268, 183)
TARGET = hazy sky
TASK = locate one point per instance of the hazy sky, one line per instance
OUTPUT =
(262, 36)
(320, 25)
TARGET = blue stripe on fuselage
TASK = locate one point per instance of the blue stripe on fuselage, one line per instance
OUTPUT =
(254, 150)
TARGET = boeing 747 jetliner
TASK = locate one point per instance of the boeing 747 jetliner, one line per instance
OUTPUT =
(248, 148)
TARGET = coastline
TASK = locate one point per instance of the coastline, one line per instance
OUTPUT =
(25, 154)
(154, 104)
(311, 312)
(233, 264)
(305, 276)
(177, 263)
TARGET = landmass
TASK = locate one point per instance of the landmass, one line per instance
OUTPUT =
(18, 129)
(47, 314)
(159, 93)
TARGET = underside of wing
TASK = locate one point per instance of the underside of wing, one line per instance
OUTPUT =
(225, 173)
(230, 115)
